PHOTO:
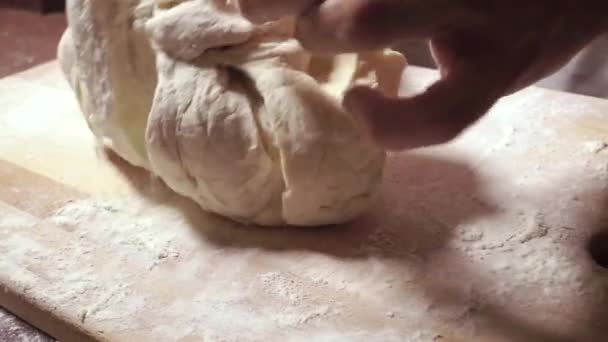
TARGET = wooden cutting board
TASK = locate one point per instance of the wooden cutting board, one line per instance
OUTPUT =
(484, 239)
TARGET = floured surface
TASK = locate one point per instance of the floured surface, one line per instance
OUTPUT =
(13, 329)
(483, 239)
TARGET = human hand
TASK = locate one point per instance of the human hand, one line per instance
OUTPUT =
(485, 50)
(259, 11)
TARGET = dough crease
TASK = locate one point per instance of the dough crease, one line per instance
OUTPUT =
(233, 114)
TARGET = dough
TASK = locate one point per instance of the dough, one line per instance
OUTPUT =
(234, 115)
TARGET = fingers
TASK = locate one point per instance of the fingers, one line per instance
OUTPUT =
(436, 116)
(336, 26)
(260, 11)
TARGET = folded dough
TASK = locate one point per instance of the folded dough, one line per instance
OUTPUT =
(234, 115)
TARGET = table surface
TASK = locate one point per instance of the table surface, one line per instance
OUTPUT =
(13, 329)
(460, 244)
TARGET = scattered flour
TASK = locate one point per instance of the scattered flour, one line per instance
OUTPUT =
(16, 222)
(472, 235)
(115, 265)
(596, 146)
(286, 286)
(14, 330)
(95, 269)
(130, 269)
(534, 227)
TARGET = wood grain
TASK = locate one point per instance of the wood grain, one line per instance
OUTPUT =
(479, 240)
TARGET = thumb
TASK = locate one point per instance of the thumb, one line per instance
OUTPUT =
(334, 26)
(260, 11)
(436, 116)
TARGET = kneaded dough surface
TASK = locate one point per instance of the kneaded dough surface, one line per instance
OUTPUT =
(233, 114)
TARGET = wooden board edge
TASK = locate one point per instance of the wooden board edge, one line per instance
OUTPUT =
(43, 318)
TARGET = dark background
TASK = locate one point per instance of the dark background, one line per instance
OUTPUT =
(29, 33)
(40, 6)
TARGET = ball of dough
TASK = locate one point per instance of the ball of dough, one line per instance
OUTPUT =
(232, 114)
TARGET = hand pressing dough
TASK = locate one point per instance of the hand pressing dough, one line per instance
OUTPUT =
(234, 115)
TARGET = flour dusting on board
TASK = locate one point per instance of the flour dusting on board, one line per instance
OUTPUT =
(14, 330)
(109, 247)
(118, 241)
(449, 256)
(596, 146)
